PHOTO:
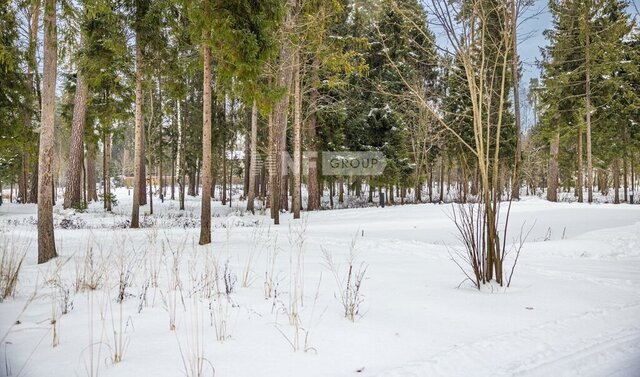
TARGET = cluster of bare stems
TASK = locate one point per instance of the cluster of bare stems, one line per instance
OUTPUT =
(482, 41)
(348, 280)
(10, 265)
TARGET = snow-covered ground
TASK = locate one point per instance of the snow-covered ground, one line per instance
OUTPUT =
(573, 308)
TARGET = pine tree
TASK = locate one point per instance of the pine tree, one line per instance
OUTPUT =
(14, 89)
(46, 241)
(581, 68)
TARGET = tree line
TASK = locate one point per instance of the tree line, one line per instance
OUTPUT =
(164, 95)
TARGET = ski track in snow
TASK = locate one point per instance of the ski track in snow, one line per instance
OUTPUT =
(545, 350)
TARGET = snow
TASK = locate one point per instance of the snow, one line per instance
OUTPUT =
(573, 307)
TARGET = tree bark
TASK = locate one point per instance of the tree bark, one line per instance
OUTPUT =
(106, 177)
(442, 179)
(253, 159)
(179, 158)
(624, 179)
(297, 140)
(313, 189)
(280, 116)
(33, 190)
(46, 241)
(22, 178)
(516, 182)
(247, 155)
(588, 115)
(205, 213)
(138, 159)
(32, 73)
(92, 195)
(552, 181)
(143, 163)
(580, 170)
(72, 194)
(616, 181)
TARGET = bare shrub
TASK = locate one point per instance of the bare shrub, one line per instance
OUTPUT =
(90, 271)
(174, 284)
(270, 268)
(193, 353)
(204, 289)
(61, 289)
(260, 237)
(472, 258)
(348, 280)
(60, 294)
(220, 302)
(301, 330)
(297, 237)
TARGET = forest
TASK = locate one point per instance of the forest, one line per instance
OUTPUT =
(130, 114)
(174, 98)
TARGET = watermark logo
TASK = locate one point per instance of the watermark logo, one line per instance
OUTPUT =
(353, 163)
(346, 163)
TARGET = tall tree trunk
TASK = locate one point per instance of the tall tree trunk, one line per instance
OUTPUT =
(430, 183)
(46, 241)
(179, 157)
(192, 180)
(150, 191)
(92, 195)
(263, 182)
(22, 178)
(313, 189)
(84, 183)
(271, 165)
(205, 214)
(552, 181)
(297, 140)
(138, 159)
(442, 179)
(580, 170)
(72, 194)
(231, 179)
(516, 181)
(224, 151)
(161, 181)
(29, 194)
(624, 179)
(33, 190)
(588, 115)
(105, 171)
(253, 159)
(143, 164)
(616, 181)
(247, 155)
(284, 77)
(224, 172)
(173, 181)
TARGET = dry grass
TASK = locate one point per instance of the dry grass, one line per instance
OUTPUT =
(11, 261)
(348, 279)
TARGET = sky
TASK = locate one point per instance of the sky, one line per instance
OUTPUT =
(530, 38)
(534, 22)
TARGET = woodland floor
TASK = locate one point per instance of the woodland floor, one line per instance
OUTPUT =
(573, 307)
